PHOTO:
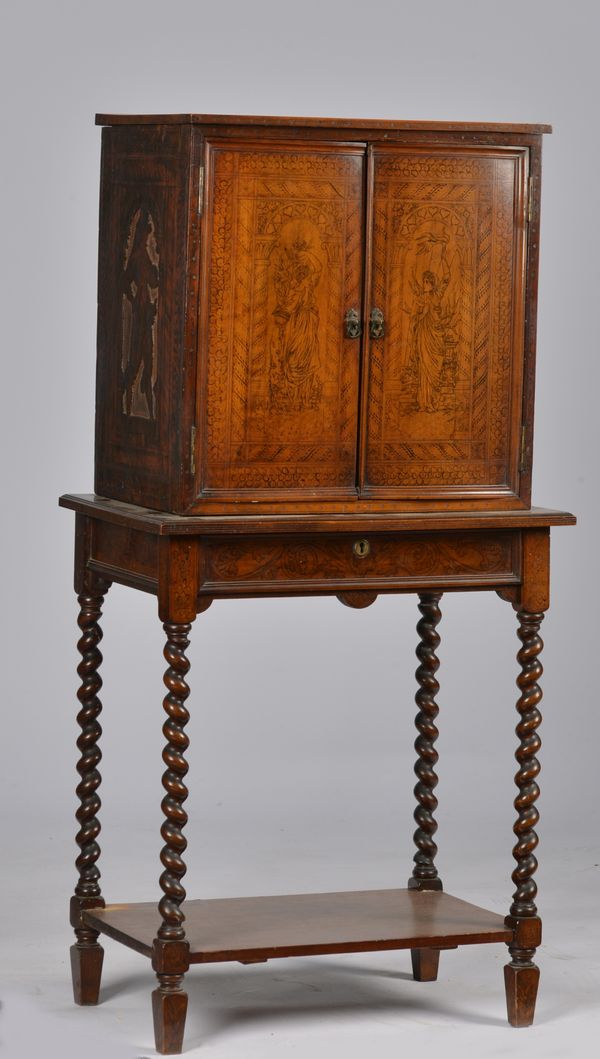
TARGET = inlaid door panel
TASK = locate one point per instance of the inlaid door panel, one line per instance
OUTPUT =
(443, 400)
(283, 264)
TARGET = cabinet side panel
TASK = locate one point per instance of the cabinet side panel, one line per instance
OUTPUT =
(445, 381)
(279, 374)
(141, 306)
(533, 240)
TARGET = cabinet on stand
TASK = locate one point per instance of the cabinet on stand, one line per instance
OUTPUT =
(316, 362)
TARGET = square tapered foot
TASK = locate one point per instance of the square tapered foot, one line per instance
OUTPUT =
(521, 984)
(86, 972)
(169, 1011)
(425, 964)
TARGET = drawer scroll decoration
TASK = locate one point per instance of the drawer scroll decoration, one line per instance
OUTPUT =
(386, 560)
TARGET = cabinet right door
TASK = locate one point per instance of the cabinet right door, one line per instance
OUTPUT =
(442, 408)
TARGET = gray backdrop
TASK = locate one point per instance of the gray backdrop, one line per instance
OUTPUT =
(302, 710)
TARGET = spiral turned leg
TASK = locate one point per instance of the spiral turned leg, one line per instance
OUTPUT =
(425, 875)
(170, 954)
(87, 954)
(521, 976)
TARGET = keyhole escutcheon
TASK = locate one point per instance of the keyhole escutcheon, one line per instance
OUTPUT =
(361, 548)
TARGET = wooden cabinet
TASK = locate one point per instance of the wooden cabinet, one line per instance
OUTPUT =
(317, 316)
(316, 345)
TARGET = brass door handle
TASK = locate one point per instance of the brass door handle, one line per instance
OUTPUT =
(376, 324)
(352, 324)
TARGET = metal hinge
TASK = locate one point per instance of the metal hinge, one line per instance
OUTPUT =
(200, 189)
(193, 450)
(530, 200)
(523, 453)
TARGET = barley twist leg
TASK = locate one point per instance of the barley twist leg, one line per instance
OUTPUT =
(86, 954)
(521, 975)
(170, 954)
(425, 875)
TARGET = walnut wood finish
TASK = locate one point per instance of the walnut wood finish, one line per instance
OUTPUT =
(284, 236)
(169, 1010)
(263, 122)
(231, 254)
(529, 767)
(425, 873)
(144, 219)
(521, 974)
(316, 374)
(380, 561)
(167, 524)
(86, 953)
(177, 742)
(425, 964)
(444, 382)
(251, 928)
(86, 968)
(357, 600)
(170, 956)
(188, 561)
(170, 555)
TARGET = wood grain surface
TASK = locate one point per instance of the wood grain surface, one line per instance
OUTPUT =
(308, 924)
(443, 409)
(440, 559)
(278, 390)
(262, 121)
(165, 523)
(232, 250)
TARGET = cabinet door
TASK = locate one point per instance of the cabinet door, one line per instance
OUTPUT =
(443, 402)
(283, 265)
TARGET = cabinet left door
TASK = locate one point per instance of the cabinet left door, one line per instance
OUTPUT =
(278, 372)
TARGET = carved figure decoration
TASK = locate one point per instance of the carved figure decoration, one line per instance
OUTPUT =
(296, 270)
(432, 360)
(139, 308)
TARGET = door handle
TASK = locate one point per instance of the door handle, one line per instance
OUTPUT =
(352, 324)
(376, 324)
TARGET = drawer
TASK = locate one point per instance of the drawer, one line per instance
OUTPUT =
(380, 561)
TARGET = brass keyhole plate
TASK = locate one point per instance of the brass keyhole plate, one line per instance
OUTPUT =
(361, 548)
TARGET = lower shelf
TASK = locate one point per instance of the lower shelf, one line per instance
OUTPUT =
(261, 928)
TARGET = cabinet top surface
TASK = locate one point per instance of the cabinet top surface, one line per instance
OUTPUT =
(327, 123)
(165, 524)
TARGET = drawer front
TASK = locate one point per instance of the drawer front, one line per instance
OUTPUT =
(382, 561)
